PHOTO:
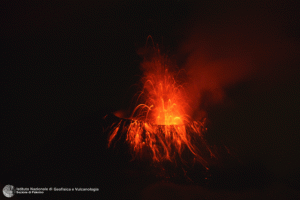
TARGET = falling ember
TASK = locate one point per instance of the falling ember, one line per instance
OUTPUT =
(159, 127)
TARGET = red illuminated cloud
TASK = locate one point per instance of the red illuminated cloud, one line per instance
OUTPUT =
(238, 44)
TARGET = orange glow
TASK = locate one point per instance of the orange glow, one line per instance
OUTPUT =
(159, 126)
(163, 100)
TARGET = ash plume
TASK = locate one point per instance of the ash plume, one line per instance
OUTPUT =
(237, 42)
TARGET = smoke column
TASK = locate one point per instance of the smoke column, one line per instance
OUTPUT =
(226, 44)
(235, 43)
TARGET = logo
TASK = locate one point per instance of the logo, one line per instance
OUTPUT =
(9, 191)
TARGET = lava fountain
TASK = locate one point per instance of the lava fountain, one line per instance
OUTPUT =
(160, 127)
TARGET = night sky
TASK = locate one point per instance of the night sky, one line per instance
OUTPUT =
(66, 64)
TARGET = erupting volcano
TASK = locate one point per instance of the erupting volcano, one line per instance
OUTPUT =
(160, 127)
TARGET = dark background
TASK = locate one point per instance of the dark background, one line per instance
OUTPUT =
(66, 64)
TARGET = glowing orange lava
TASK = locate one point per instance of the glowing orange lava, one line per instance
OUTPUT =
(159, 126)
